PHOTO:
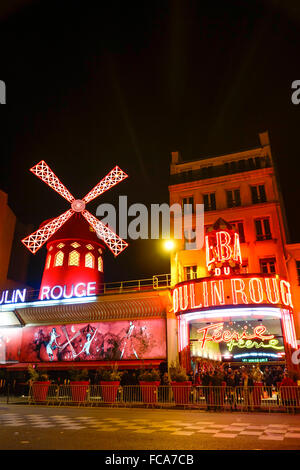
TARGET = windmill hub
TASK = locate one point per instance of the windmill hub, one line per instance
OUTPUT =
(78, 205)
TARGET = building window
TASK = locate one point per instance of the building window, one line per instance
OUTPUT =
(239, 228)
(60, 245)
(244, 267)
(75, 245)
(48, 262)
(233, 198)
(298, 271)
(263, 230)
(209, 201)
(59, 259)
(89, 260)
(258, 194)
(268, 265)
(74, 258)
(100, 264)
(190, 272)
(188, 205)
(89, 246)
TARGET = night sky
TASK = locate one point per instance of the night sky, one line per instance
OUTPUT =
(127, 83)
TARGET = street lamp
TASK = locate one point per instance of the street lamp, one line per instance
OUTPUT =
(169, 245)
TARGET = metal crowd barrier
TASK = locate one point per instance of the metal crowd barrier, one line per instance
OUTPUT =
(199, 397)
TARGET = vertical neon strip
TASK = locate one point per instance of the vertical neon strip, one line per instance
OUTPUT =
(183, 334)
(295, 345)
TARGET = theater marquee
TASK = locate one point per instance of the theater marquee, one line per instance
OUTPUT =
(243, 289)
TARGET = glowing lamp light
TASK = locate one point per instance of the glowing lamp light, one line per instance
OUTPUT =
(169, 245)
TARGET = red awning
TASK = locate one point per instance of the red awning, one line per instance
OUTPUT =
(134, 364)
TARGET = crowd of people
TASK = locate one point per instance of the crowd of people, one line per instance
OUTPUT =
(218, 374)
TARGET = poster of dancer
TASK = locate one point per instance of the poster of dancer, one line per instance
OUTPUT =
(119, 340)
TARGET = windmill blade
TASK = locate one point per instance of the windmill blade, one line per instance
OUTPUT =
(37, 239)
(115, 176)
(113, 241)
(44, 172)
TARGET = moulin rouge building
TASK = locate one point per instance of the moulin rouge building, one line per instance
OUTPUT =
(234, 300)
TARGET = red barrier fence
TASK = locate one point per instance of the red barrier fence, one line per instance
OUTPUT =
(186, 395)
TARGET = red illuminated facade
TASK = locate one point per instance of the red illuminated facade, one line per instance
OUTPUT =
(73, 262)
(234, 299)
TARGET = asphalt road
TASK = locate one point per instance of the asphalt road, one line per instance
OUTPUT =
(27, 427)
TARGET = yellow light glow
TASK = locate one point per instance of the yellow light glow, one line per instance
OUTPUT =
(169, 245)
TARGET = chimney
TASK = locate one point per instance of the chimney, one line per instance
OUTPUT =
(176, 158)
(264, 138)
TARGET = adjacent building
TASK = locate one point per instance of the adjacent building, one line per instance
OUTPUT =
(241, 194)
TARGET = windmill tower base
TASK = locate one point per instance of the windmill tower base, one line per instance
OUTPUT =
(74, 262)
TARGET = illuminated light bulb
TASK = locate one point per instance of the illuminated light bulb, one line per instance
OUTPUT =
(169, 245)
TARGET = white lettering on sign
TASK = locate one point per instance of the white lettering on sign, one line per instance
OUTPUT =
(57, 292)
(14, 296)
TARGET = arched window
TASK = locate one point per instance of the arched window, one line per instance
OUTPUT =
(89, 260)
(74, 258)
(48, 262)
(100, 264)
(59, 259)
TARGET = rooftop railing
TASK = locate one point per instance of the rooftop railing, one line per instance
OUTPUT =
(156, 282)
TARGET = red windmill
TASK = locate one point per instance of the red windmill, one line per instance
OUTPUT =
(79, 245)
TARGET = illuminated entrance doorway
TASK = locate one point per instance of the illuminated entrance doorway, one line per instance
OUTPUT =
(236, 335)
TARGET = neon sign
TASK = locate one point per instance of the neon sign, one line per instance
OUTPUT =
(242, 290)
(222, 247)
(11, 297)
(236, 339)
(81, 289)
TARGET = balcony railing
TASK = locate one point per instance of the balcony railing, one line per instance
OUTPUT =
(156, 282)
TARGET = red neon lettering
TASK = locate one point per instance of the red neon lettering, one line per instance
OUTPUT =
(223, 246)
(184, 297)
(236, 291)
(207, 247)
(259, 333)
(226, 336)
(274, 289)
(175, 300)
(205, 294)
(252, 290)
(217, 292)
(237, 256)
(286, 293)
(192, 296)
